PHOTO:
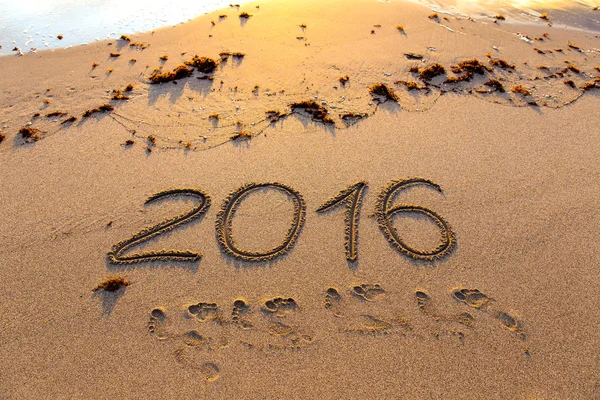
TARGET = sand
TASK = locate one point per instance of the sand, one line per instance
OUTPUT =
(509, 311)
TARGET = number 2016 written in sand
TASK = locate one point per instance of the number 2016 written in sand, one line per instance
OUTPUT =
(349, 199)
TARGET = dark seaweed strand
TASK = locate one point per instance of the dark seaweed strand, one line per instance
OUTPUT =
(115, 254)
(383, 213)
(227, 212)
(351, 215)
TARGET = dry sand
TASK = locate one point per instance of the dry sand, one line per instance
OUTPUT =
(520, 192)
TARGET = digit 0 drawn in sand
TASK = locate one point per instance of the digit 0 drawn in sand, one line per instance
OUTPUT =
(351, 197)
(480, 301)
(227, 212)
(384, 212)
(115, 255)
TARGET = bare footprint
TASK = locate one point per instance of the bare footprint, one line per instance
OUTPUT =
(158, 323)
(371, 325)
(280, 306)
(472, 297)
(510, 322)
(367, 292)
(194, 339)
(465, 318)
(240, 310)
(333, 302)
(205, 311)
(207, 370)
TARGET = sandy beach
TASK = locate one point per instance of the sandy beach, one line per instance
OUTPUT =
(356, 200)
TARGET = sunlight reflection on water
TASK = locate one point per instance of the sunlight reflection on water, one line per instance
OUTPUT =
(36, 23)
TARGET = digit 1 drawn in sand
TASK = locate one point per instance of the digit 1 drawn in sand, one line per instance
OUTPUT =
(351, 197)
(384, 212)
(115, 255)
(227, 212)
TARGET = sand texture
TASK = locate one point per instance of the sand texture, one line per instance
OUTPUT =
(279, 232)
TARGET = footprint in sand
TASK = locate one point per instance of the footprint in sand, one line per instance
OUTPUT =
(207, 370)
(205, 311)
(367, 292)
(280, 306)
(238, 315)
(472, 297)
(333, 302)
(158, 323)
(478, 300)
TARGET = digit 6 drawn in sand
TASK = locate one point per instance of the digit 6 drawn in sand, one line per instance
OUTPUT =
(351, 197)
(227, 212)
(115, 255)
(384, 212)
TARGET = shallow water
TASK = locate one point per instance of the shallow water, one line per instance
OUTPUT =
(571, 14)
(35, 24)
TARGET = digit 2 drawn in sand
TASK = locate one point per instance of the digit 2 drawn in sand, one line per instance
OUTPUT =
(384, 212)
(115, 255)
(351, 197)
(227, 212)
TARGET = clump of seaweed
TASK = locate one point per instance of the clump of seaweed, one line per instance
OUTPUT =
(343, 79)
(205, 65)
(214, 116)
(414, 69)
(118, 95)
(573, 68)
(434, 16)
(574, 46)
(94, 65)
(314, 109)
(30, 134)
(545, 17)
(382, 90)
(352, 116)
(409, 85)
(139, 45)
(241, 135)
(164, 57)
(520, 89)
(275, 115)
(69, 120)
(502, 64)
(473, 66)
(495, 84)
(245, 15)
(125, 38)
(102, 109)
(114, 55)
(128, 88)
(500, 17)
(595, 84)
(180, 72)
(56, 114)
(132, 60)
(460, 78)
(112, 284)
(400, 28)
(431, 72)
(570, 83)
